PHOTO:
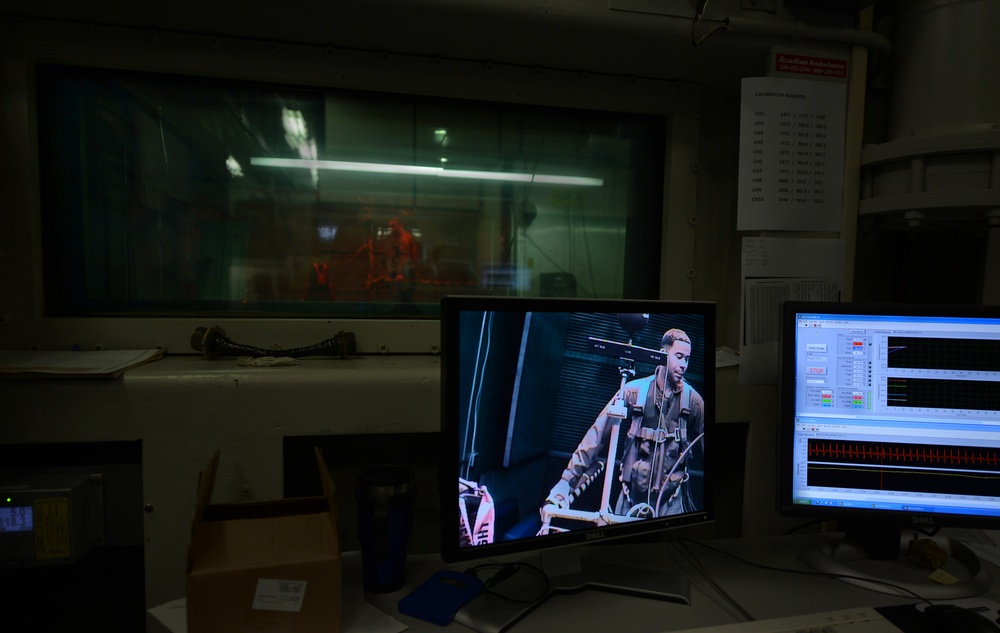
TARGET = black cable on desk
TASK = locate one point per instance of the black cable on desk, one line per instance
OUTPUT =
(806, 572)
(505, 571)
(694, 560)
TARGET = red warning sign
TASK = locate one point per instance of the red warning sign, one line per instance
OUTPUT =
(809, 65)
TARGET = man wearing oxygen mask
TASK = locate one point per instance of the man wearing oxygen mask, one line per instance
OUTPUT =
(666, 420)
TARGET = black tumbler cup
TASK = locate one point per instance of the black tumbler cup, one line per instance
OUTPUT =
(385, 496)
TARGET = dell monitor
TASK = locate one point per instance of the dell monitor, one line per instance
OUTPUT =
(890, 425)
(568, 421)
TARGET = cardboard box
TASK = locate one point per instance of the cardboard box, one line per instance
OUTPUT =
(271, 566)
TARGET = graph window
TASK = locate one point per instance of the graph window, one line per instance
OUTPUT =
(897, 413)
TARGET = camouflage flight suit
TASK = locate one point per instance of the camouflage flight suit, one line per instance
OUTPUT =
(661, 428)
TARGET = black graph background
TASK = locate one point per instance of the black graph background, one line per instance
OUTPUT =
(930, 393)
(958, 354)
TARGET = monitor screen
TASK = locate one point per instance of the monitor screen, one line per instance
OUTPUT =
(891, 413)
(573, 420)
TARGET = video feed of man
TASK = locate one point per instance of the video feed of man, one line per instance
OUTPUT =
(572, 421)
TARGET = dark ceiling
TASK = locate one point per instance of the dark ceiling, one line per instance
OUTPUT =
(642, 38)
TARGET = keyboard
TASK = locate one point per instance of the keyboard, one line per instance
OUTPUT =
(856, 620)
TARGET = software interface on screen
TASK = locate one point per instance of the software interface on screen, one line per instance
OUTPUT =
(897, 413)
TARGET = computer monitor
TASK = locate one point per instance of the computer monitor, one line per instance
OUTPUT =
(890, 424)
(537, 438)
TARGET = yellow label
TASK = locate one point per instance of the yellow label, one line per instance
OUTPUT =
(51, 528)
(942, 577)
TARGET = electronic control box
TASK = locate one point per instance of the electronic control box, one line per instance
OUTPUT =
(50, 519)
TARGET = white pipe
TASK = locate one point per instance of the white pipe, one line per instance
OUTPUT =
(799, 31)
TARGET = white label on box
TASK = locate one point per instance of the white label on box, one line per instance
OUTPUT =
(279, 595)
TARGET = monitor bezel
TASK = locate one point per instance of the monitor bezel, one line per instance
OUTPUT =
(449, 467)
(786, 422)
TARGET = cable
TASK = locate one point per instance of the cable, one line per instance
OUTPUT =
(694, 560)
(699, 10)
(472, 416)
(212, 342)
(505, 571)
(808, 572)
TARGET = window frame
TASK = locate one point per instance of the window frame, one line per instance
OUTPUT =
(22, 321)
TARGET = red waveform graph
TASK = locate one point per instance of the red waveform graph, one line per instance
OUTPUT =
(920, 468)
(902, 454)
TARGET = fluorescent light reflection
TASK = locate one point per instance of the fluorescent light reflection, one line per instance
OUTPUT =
(234, 168)
(417, 170)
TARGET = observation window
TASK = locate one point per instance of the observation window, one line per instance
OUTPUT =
(174, 195)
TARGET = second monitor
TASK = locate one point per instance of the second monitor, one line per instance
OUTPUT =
(571, 421)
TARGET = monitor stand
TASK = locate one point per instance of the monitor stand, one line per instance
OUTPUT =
(879, 561)
(567, 571)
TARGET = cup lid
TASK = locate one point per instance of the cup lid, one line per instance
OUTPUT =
(386, 480)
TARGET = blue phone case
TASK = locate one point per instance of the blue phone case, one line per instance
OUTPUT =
(440, 596)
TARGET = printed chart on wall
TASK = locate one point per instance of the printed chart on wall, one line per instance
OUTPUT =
(776, 270)
(791, 154)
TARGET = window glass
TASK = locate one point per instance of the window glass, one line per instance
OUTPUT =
(165, 195)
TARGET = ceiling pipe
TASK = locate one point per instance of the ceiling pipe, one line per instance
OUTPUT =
(799, 31)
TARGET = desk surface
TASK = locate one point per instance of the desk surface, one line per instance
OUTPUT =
(763, 593)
